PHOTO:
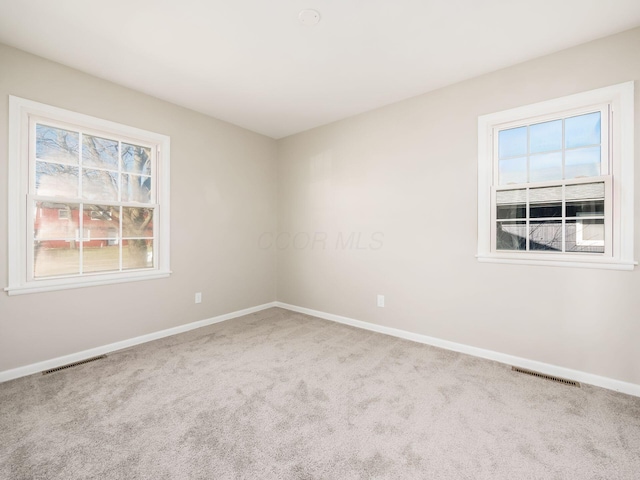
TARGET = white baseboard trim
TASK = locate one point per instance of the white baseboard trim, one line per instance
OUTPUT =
(583, 377)
(112, 347)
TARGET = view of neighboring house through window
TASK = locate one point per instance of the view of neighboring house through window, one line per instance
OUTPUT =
(96, 195)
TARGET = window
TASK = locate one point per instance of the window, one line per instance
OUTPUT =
(63, 214)
(89, 200)
(555, 182)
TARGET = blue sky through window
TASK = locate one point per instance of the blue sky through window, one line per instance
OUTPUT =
(582, 130)
(512, 142)
(546, 137)
(534, 153)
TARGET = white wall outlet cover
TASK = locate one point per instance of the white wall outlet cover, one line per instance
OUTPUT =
(381, 300)
(198, 297)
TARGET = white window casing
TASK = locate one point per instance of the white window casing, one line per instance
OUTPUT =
(23, 116)
(616, 104)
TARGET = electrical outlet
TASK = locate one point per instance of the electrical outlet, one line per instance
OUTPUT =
(381, 300)
(198, 297)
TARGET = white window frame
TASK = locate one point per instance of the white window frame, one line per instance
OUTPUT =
(21, 114)
(618, 175)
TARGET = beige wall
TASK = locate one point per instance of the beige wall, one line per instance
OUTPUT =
(409, 171)
(223, 195)
(382, 203)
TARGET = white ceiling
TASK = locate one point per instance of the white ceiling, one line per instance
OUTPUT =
(251, 63)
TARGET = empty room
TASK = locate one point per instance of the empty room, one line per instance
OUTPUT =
(319, 239)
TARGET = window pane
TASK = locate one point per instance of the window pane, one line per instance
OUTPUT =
(54, 180)
(511, 236)
(137, 222)
(585, 236)
(101, 213)
(512, 142)
(590, 230)
(513, 170)
(511, 203)
(137, 254)
(136, 188)
(545, 235)
(582, 130)
(584, 208)
(545, 137)
(583, 162)
(545, 210)
(99, 152)
(545, 195)
(99, 185)
(136, 159)
(56, 144)
(55, 221)
(100, 222)
(511, 211)
(585, 191)
(51, 258)
(545, 167)
(511, 196)
(100, 256)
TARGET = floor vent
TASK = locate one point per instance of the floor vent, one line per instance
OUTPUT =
(573, 383)
(74, 364)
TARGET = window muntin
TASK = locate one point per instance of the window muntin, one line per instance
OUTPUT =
(565, 142)
(97, 200)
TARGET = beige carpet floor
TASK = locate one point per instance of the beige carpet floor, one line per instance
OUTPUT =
(280, 395)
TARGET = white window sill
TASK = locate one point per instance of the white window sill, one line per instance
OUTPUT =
(565, 261)
(89, 281)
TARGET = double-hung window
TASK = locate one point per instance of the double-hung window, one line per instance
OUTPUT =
(89, 200)
(555, 181)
